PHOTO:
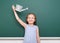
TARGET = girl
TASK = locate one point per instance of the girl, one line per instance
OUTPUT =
(31, 30)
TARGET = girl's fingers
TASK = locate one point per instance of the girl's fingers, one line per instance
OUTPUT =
(13, 7)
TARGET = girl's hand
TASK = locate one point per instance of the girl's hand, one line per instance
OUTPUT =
(13, 7)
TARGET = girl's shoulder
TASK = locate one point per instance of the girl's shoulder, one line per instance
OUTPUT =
(36, 26)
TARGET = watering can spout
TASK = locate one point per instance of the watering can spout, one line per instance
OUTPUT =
(24, 9)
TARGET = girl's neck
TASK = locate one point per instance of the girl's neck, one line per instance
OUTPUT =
(31, 24)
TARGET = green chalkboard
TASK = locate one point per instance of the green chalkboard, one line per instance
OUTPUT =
(47, 12)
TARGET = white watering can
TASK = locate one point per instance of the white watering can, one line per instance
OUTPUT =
(19, 8)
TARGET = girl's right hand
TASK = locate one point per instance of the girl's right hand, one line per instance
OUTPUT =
(13, 7)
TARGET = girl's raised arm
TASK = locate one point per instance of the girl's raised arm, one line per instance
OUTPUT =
(17, 18)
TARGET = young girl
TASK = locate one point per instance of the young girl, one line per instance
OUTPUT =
(31, 30)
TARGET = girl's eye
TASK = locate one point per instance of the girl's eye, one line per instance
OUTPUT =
(31, 18)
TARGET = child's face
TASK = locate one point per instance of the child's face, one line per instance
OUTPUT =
(31, 19)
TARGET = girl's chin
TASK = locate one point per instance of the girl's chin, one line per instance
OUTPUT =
(30, 23)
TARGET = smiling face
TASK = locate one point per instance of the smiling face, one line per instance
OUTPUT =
(31, 18)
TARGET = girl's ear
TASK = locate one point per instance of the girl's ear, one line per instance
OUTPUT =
(26, 21)
(35, 22)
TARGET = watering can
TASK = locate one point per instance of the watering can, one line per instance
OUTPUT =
(19, 8)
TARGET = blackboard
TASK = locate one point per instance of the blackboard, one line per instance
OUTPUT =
(47, 12)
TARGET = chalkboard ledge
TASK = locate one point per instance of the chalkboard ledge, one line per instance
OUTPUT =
(22, 38)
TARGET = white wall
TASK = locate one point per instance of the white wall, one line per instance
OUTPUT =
(20, 40)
